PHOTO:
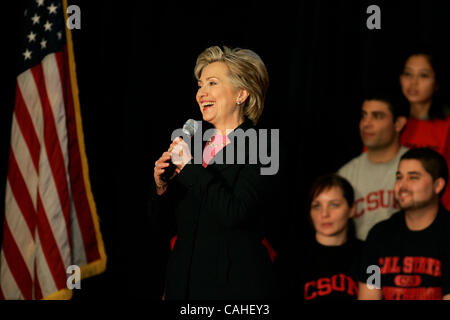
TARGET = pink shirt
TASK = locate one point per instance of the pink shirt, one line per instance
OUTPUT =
(212, 147)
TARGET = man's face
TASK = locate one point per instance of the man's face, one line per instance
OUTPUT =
(377, 126)
(414, 186)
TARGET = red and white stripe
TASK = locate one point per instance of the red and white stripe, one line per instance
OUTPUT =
(47, 227)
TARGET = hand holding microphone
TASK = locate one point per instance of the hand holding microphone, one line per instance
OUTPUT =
(174, 159)
(181, 154)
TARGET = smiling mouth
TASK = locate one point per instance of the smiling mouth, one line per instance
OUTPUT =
(403, 195)
(207, 105)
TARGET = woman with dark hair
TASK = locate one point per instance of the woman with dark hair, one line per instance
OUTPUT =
(329, 261)
(421, 79)
(427, 126)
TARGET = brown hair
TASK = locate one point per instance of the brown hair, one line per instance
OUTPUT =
(327, 182)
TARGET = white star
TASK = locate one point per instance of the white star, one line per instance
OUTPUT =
(52, 9)
(59, 34)
(27, 54)
(40, 2)
(48, 26)
(43, 44)
(35, 18)
(31, 36)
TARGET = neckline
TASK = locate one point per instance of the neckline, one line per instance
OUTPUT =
(331, 246)
(400, 152)
(430, 227)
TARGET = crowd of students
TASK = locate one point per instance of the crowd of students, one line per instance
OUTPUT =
(381, 225)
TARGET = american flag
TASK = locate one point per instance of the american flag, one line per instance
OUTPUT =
(50, 220)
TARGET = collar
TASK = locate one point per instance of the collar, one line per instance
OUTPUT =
(247, 124)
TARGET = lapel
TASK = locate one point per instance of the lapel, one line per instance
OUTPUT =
(222, 154)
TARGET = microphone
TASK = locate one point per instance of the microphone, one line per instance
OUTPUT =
(189, 128)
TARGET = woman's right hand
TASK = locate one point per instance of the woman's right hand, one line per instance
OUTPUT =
(160, 164)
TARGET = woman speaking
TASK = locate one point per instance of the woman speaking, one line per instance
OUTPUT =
(219, 208)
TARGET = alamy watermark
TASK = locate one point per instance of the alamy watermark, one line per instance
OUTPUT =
(74, 17)
(374, 20)
(260, 142)
(74, 278)
(374, 281)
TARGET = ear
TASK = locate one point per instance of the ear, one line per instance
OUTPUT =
(242, 96)
(438, 185)
(400, 123)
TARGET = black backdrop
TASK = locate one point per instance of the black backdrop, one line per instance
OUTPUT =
(135, 70)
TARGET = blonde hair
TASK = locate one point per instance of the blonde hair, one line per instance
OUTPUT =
(247, 71)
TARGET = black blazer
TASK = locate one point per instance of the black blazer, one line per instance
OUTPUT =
(219, 215)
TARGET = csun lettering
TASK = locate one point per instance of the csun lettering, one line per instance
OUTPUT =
(375, 200)
(325, 286)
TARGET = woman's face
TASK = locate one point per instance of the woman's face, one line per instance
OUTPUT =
(418, 80)
(217, 97)
(330, 213)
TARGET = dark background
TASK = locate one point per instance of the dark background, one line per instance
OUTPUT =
(135, 63)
